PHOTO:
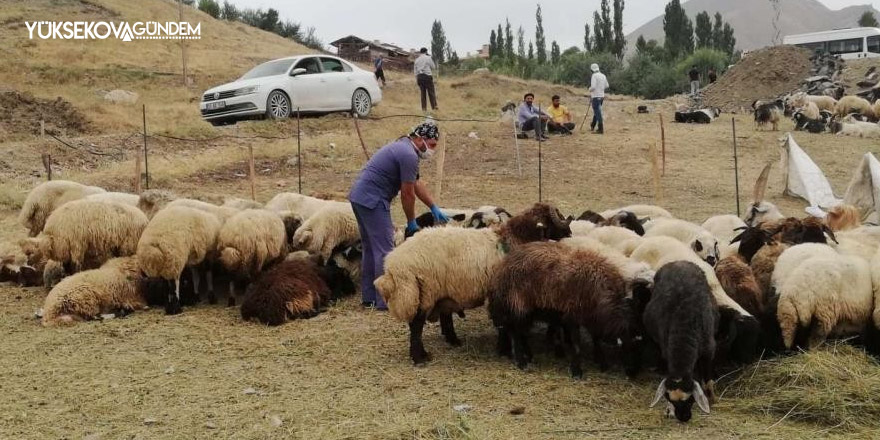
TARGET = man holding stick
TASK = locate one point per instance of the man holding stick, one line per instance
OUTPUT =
(392, 169)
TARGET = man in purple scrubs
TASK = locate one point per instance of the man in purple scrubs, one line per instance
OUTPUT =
(395, 167)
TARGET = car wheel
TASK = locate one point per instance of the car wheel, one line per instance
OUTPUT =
(277, 105)
(361, 104)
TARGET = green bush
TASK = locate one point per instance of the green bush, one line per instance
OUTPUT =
(210, 7)
(703, 59)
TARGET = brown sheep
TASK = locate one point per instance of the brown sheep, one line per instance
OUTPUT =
(578, 287)
(843, 218)
(738, 280)
(763, 264)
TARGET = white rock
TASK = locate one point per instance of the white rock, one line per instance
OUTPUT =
(150, 421)
(211, 425)
(249, 391)
(462, 408)
(119, 96)
(473, 135)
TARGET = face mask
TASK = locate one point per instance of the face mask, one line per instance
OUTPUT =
(423, 155)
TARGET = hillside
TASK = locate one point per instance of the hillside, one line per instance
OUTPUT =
(752, 19)
(79, 71)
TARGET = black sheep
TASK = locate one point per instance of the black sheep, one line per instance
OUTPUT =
(682, 318)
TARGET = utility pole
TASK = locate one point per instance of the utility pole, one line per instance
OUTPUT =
(182, 42)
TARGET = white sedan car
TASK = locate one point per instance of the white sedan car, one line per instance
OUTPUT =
(306, 83)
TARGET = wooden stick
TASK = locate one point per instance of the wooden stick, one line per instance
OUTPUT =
(358, 128)
(441, 160)
(735, 166)
(662, 143)
(137, 173)
(252, 174)
(299, 159)
(146, 154)
(655, 173)
(47, 164)
(516, 142)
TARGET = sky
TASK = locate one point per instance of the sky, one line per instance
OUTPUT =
(467, 23)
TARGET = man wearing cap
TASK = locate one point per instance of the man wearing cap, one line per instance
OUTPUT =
(423, 70)
(598, 84)
(394, 168)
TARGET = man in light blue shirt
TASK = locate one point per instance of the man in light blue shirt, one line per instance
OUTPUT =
(531, 117)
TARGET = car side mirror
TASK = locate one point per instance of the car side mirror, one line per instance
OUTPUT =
(297, 71)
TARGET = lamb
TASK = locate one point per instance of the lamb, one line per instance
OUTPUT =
(682, 318)
(832, 293)
(83, 234)
(118, 197)
(742, 328)
(699, 239)
(250, 241)
(302, 205)
(327, 229)
(853, 104)
(738, 281)
(115, 288)
(46, 198)
(441, 271)
(640, 211)
(572, 285)
(293, 289)
(856, 128)
(177, 237)
(769, 113)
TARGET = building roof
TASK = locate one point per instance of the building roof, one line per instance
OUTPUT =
(355, 40)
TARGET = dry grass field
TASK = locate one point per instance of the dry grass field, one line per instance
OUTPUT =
(346, 374)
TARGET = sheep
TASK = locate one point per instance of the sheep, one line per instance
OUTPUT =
(223, 213)
(822, 102)
(828, 295)
(795, 231)
(764, 263)
(302, 205)
(582, 228)
(862, 242)
(628, 220)
(724, 228)
(115, 288)
(750, 241)
(810, 110)
(46, 198)
(118, 197)
(250, 241)
(641, 211)
(810, 124)
(242, 204)
(856, 128)
(293, 289)
(741, 327)
(572, 285)
(843, 218)
(177, 237)
(760, 212)
(152, 200)
(699, 239)
(441, 271)
(622, 239)
(83, 234)
(682, 319)
(481, 217)
(792, 257)
(738, 281)
(853, 104)
(769, 113)
(327, 229)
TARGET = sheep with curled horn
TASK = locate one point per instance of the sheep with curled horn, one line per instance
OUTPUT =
(760, 210)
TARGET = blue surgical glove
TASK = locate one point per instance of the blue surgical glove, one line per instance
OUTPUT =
(411, 228)
(439, 216)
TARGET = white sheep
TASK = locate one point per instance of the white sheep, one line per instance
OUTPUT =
(641, 211)
(223, 213)
(863, 242)
(856, 128)
(114, 288)
(47, 197)
(792, 257)
(822, 102)
(83, 234)
(178, 237)
(829, 295)
(250, 241)
(118, 197)
(853, 104)
(632, 270)
(617, 237)
(152, 200)
(581, 228)
(700, 240)
(237, 203)
(302, 205)
(322, 232)
(724, 227)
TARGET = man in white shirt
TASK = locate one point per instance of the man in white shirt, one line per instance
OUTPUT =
(598, 84)
(422, 68)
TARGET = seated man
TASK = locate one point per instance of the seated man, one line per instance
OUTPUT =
(560, 118)
(532, 118)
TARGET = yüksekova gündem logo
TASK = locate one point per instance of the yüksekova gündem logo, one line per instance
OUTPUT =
(102, 30)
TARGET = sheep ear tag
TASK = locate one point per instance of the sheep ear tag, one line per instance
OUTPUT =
(700, 398)
(661, 390)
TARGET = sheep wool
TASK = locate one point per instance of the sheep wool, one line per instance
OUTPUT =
(117, 197)
(221, 212)
(853, 104)
(152, 200)
(700, 240)
(113, 288)
(332, 226)
(792, 257)
(86, 233)
(622, 239)
(250, 240)
(641, 211)
(47, 197)
(302, 205)
(289, 290)
(236, 203)
(177, 237)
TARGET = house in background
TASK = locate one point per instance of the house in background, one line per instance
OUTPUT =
(357, 49)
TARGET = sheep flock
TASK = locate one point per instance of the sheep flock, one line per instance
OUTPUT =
(654, 291)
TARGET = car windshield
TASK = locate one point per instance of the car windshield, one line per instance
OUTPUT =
(278, 67)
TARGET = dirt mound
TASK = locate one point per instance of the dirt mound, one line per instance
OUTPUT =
(764, 74)
(21, 113)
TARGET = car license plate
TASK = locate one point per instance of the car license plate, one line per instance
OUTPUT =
(215, 105)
